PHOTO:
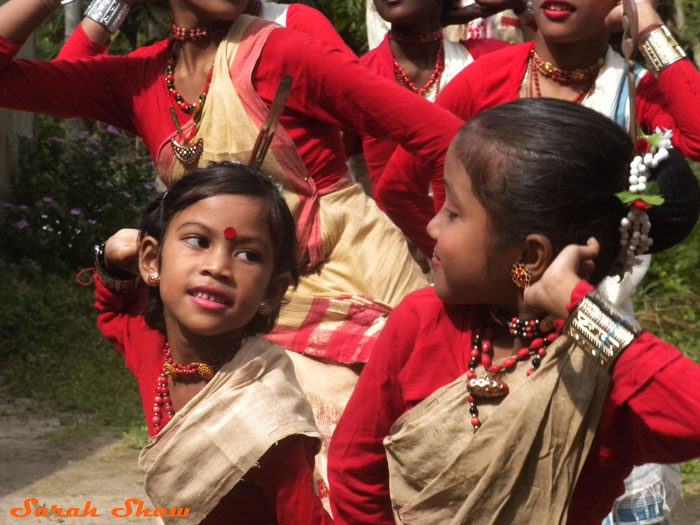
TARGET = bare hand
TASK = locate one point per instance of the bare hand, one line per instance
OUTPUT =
(122, 251)
(646, 15)
(480, 9)
(552, 292)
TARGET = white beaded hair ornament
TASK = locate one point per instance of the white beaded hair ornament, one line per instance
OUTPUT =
(642, 195)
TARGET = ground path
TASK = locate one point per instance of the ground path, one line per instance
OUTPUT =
(38, 459)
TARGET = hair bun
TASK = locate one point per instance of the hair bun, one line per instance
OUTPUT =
(673, 221)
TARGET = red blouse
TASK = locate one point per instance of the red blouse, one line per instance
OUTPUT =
(299, 17)
(650, 415)
(331, 90)
(380, 61)
(279, 490)
(672, 102)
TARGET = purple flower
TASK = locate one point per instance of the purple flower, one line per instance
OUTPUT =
(83, 135)
(94, 142)
(29, 136)
(148, 185)
(75, 211)
(92, 221)
(8, 205)
(89, 151)
(57, 140)
(47, 200)
(109, 184)
(126, 194)
(21, 225)
(112, 130)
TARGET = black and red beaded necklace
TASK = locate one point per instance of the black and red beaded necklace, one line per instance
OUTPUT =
(490, 385)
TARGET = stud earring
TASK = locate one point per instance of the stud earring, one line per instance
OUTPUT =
(264, 308)
(153, 279)
(521, 276)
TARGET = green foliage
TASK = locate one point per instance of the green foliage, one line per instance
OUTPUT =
(348, 18)
(72, 194)
(53, 352)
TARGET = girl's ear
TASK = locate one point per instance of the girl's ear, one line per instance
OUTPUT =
(149, 257)
(537, 254)
(277, 288)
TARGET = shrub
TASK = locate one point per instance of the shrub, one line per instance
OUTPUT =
(72, 194)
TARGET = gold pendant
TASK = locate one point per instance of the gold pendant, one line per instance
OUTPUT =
(487, 387)
(187, 155)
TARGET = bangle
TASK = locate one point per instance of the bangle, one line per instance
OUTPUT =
(108, 13)
(117, 284)
(661, 49)
(601, 330)
(644, 33)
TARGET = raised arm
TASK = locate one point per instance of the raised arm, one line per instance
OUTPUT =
(20, 18)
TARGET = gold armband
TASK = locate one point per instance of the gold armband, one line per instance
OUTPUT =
(661, 49)
(601, 329)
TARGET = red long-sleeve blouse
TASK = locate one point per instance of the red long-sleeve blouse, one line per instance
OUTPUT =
(650, 415)
(331, 91)
(671, 101)
(299, 17)
(278, 491)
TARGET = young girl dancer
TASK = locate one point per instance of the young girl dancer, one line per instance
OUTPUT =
(233, 436)
(203, 96)
(570, 59)
(476, 406)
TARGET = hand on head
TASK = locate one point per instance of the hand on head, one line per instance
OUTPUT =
(646, 15)
(122, 250)
(480, 9)
(552, 292)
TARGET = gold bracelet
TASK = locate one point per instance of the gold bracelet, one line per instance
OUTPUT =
(661, 49)
(601, 330)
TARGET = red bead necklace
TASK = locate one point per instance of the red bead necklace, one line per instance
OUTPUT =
(162, 404)
(410, 38)
(489, 385)
(213, 31)
(188, 108)
(538, 91)
(403, 79)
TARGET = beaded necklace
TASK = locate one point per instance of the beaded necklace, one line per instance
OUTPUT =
(538, 92)
(410, 38)
(162, 404)
(403, 79)
(566, 76)
(213, 31)
(489, 385)
(188, 154)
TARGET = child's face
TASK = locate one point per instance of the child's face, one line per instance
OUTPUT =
(463, 271)
(212, 282)
(567, 21)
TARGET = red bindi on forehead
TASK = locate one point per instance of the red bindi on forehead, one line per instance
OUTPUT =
(230, 233)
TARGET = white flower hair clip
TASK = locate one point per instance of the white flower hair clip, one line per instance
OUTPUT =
(642, 195)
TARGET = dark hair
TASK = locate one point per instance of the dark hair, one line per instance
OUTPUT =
(553, 167)
(224, 178)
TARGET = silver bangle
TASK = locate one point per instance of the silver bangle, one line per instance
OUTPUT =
(108, 13)
(661, 49)
(601, 330)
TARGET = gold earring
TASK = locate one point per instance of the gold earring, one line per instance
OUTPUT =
(521, 276)
(153, 279)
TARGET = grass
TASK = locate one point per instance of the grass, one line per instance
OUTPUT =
(53, 352)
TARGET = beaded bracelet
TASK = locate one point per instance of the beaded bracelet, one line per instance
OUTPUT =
(661, 49)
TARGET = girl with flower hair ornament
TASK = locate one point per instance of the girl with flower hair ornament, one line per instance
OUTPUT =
(511, 392)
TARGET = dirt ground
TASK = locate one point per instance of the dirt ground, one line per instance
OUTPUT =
(38, 462)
